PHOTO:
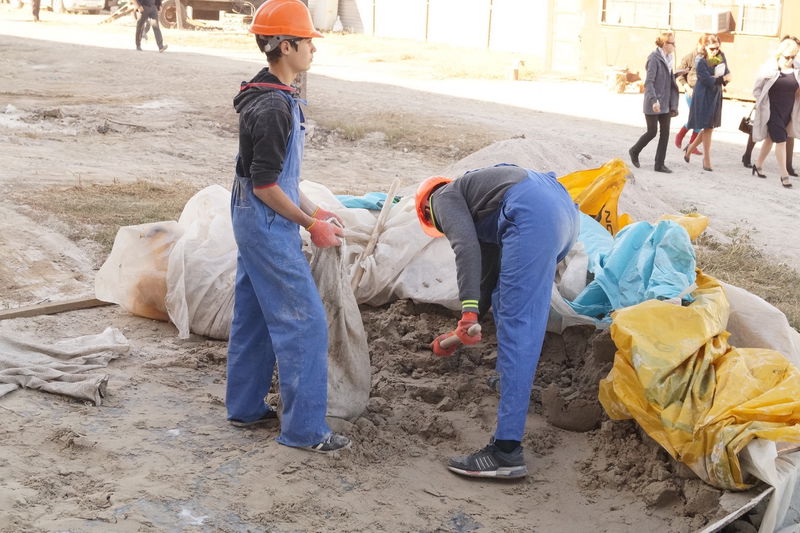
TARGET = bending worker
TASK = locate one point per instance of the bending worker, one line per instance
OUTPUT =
(278, 314)
(508, 227)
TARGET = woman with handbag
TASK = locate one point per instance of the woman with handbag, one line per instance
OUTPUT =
(660, 100)
(706, 110)
(746, 126)
(777, 94)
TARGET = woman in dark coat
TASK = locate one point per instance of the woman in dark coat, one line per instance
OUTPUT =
(660, 100)
(706, 110)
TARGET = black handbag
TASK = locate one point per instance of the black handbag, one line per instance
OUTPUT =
(746, 124)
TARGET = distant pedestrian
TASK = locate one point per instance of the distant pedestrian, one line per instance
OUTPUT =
(777, 94)
(686, 79)
(148, 9)
(705, 112)
(748, 151)
(660, 100)
(35, 9)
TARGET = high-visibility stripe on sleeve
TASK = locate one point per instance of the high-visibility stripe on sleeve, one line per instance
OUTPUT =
(469, 305)
(268, 185)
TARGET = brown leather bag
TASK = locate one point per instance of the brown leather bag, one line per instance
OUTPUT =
(746, 124)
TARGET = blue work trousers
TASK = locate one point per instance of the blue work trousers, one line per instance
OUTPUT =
(536, 225)
(278, 317)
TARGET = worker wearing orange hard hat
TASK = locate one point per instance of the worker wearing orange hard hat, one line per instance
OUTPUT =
(509, 227)
(278, 316)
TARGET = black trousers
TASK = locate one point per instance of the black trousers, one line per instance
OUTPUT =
(655, 122)
(150, 12)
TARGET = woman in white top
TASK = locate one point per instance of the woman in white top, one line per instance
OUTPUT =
(777, 116)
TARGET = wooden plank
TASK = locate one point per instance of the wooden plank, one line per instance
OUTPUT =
(51, 308)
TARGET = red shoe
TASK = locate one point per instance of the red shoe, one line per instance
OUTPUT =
(680, 135)
(697, 151)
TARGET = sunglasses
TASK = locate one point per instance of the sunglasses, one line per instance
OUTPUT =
(789, 58)
(713, 48)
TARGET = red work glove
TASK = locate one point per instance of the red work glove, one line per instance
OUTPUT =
(444, 352)
(324, 234)
(324, 214)
(467, 321)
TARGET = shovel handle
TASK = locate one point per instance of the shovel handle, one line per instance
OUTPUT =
(453, 339)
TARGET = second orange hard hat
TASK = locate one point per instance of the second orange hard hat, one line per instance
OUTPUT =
(424, 192)
(284, 17)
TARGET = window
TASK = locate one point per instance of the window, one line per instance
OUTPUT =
(760, 18)
(645, 13)
(754, 17)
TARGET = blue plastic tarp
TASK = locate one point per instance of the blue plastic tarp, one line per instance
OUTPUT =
(643, 262)
(371, 200)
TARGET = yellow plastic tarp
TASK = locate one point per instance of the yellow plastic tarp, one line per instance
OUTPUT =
(694, 223)
(597, 190)
(697, 396)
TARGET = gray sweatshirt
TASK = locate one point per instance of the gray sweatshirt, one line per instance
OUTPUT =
(456, 208)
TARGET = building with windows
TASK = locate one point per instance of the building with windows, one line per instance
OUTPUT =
(585, 38)
(625, 30)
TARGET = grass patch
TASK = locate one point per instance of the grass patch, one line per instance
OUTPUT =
(97, 211)
(740, 263)
(409, 133)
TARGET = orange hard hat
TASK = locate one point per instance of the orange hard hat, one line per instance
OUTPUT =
(284, 17)
(424, 192)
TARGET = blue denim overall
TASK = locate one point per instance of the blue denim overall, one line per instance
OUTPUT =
(278, 314)
(535, 225)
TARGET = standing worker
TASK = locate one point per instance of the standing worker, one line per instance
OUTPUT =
(278, 314)
(148, 9)
(35, 4)
(508, 227)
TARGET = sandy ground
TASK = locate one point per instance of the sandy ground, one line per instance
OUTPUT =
(78, 105)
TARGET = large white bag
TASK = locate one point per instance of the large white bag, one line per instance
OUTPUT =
(349, 370)
(202, 267)
(134, 274)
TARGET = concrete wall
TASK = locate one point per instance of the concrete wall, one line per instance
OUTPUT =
(505, 25)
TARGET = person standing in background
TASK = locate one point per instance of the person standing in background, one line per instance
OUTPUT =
(660, 100)
(706, 110)
(35, 9)
(148, 9)
(686, 79)
(777, 94)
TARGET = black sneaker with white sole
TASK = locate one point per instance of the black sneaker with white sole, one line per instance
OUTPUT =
(332, 443)
(491, 462)
(270, 418)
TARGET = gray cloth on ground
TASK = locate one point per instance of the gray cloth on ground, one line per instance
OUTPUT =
(60, 367)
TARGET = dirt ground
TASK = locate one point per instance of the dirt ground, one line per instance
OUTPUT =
(79, 106)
